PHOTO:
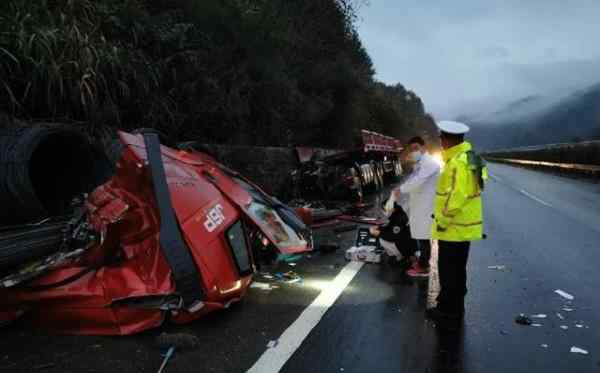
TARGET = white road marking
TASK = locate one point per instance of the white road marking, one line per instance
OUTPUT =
(527, 194)
(495, 178)
(273, 359)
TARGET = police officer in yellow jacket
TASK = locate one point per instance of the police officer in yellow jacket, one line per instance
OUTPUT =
(458, 220)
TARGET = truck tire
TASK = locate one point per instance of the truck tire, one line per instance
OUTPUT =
(42, 168)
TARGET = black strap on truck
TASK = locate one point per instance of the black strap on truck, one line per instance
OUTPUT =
(187, 278)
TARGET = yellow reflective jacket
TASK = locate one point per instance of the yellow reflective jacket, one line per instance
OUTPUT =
(458, 207)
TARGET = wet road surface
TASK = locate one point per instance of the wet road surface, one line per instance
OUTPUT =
(544, 230)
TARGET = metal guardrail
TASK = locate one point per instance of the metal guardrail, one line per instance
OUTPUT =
(577, 168)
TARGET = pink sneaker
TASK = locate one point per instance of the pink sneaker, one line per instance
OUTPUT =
(418, 271)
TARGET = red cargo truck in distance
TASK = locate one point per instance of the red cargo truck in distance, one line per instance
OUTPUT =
(345, 174)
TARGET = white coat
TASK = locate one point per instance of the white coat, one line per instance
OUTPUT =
(420, 187)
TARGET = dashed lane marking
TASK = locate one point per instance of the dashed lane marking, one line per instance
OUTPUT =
(527, 194)
(273, 359)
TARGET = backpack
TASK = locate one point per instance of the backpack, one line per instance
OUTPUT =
(478, 166)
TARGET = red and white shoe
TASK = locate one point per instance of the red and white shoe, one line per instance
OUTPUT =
(418, 271)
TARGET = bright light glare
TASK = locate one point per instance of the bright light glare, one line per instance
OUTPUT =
(439, 159)
(317, 284)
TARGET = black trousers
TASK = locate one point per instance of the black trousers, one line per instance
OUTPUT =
(452, 268)
(425, 249)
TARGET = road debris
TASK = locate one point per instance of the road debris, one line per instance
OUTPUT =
(261, 286)
(564, 294)
(498, 267)
(181, 341)
(168, 356)
(266, 275)
(577, 350)
(289, 277)
(44, 366)
(369, 254)
(523, 320)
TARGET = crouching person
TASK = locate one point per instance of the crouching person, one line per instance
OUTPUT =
(394, 237)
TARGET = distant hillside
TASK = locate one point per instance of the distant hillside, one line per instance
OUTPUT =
(535, 120)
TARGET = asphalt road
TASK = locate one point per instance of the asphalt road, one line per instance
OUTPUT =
(544, 230)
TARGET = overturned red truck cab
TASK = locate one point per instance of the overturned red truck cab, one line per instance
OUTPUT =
(172, 235)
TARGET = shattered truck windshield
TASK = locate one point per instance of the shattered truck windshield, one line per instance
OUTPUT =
(270, 221)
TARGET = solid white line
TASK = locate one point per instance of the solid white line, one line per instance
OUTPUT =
(527, 194)
(274, 358)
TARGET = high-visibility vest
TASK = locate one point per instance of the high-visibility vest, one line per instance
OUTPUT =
(458, 212)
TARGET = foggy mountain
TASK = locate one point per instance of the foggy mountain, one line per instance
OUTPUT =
(535, 120)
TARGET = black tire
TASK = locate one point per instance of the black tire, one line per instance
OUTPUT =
(42, 168)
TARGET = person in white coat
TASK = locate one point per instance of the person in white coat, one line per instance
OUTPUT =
(420, 187)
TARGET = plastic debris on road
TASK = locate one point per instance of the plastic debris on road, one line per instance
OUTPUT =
(498, 267)
(261, 286)
(289, 277)
(523, 320)
(564, 294)
(577, 350)
(267, 276)
(539, 316)
(369, 254)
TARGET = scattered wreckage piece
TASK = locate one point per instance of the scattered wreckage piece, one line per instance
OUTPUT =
(122, 281)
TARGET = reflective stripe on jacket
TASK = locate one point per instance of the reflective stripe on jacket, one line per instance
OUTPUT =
(458, 207)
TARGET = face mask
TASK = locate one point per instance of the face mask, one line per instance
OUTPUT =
(416, 156)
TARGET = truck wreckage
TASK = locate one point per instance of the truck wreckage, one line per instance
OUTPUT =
(173, 234)
(347, 174)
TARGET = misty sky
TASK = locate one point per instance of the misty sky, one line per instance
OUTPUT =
(466, 56)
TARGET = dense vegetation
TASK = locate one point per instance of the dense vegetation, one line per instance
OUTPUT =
(264, 72)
